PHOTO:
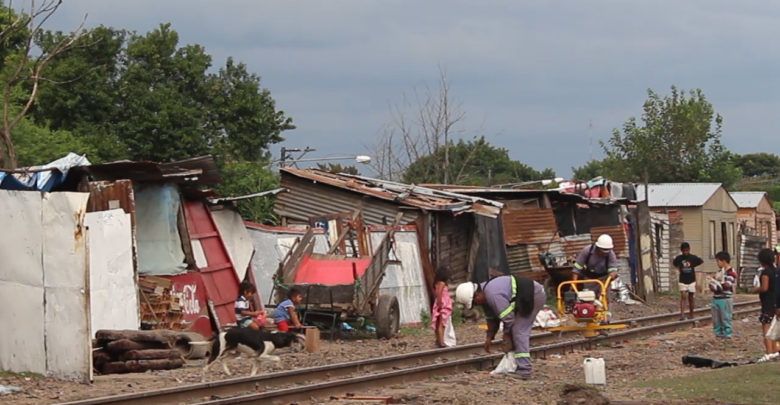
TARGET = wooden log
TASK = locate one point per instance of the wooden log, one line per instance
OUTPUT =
(151, 354)
(100, 357)
(160, 336)
(123, 345)
(312, 340)
(140, 366)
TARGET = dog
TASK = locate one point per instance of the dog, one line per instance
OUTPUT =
(257, 344)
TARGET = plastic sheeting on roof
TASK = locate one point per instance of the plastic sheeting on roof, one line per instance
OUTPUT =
(157, 233)
(42, 180)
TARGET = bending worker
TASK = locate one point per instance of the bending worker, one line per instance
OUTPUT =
(596, 262)
(515, 301)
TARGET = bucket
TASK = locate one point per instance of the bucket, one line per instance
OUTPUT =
(595, 372)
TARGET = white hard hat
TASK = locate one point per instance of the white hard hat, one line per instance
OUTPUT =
(604, 242)
(464, 294)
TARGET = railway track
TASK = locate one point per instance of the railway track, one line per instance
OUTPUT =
(316, 382)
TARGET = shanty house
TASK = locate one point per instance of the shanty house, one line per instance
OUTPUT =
(709, 216)
(448, 225)
(756, 215)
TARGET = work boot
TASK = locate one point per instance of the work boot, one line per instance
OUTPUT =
(520, 376)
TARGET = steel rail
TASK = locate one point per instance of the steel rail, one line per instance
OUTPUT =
(408, 361)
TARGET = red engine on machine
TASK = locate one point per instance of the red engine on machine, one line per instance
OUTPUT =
(584, 310)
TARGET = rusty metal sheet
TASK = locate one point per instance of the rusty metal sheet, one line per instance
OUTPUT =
(618, 235)
(529, 226)
(573, 245)
(218, 275)
(109, 195)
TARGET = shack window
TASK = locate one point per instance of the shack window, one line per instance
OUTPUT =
(724, 236)
(659, 228)
(713, 239)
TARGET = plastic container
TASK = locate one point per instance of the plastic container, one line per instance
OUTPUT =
(595, 371)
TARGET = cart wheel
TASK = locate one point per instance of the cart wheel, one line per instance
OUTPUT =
(387, 316)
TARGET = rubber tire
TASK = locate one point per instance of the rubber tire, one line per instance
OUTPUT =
(387, 316)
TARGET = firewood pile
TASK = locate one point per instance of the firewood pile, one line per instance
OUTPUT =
(160, 309)
(130, 351)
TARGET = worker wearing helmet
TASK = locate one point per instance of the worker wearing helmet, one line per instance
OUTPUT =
(596, 262)
(513, 300)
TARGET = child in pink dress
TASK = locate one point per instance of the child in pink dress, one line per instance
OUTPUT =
(441, 313)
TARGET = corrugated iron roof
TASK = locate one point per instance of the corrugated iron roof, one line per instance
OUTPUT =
(529, 226)
(748, 199)
(574, 244)
(399, 193)
(199, 170)
(502, 194)
(678, 194)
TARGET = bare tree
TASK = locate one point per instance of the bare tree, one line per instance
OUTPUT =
(24, 70)
(418, 127)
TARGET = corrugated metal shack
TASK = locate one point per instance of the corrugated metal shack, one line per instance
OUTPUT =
(455, 230)
(538, 221)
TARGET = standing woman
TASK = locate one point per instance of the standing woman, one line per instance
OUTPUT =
(515, 301)
(766, 293)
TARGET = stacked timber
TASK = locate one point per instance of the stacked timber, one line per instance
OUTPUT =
(160, 308)
(130, 351)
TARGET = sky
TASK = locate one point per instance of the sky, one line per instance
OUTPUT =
(546, 80)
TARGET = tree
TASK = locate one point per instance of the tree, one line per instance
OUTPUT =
(758, 164)
(419, 127)
(678, 140)
(22, 70)
(590, 170)
(339, 168)
(243, 178)
(37, 145)
(82, 95)
(474, 162)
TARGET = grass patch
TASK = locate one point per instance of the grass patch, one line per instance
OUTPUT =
(9, 374)
(413, 331)
(752, 384)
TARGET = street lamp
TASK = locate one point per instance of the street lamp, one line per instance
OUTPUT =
(287, 157)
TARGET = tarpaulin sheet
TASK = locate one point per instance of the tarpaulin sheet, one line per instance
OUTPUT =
(42, 180)
(405, 281)
(112, 284)
(236, 238)
(157, 233)
(270, 249)
(330, 271)
(43, 285)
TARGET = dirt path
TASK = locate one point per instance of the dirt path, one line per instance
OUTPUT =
(644, 358)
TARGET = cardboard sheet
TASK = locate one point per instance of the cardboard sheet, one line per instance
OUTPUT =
(112, 280)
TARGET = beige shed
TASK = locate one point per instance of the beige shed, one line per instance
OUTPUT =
(756, 215)
(709, 216)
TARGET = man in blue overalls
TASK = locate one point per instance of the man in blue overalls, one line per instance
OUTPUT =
(515, 301)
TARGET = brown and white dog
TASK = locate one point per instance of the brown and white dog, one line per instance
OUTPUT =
(256, 344)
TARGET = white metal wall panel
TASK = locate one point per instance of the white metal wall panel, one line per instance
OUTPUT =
(237, 241)
(66, 313)
(270, 250)
(22, 346)
(406, 281)
(112, 282)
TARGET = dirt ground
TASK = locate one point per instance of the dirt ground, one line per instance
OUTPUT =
(626, 365)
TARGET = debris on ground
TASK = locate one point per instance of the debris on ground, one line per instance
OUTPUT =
(580, 395)
(120, 352)
(9, 389)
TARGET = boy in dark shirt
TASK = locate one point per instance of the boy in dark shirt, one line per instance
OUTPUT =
(767, 291)
(686, 264)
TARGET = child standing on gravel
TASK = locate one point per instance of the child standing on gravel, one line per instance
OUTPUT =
(766, 293)
(441, 313)
(722, 287)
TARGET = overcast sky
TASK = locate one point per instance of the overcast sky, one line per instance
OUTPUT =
(547, 80)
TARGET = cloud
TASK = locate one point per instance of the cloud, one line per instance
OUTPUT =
(545, 80)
